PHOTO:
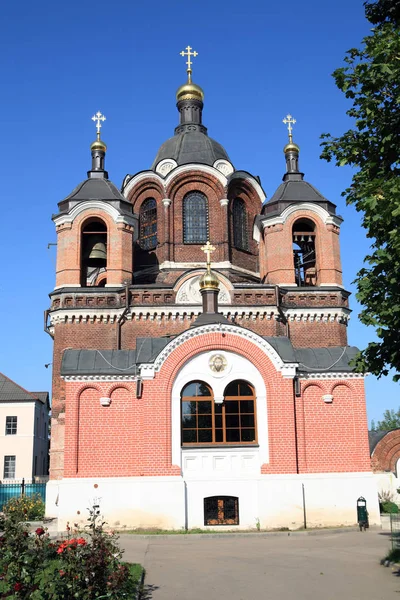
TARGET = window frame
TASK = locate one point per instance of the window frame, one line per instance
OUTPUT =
(223, 414)
(223, 522)
(187, 228)
(146, 208)
(9, 464)
(240, 225)
(11, 425)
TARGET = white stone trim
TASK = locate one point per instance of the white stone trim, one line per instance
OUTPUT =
(224, 166)
(331, 314)
(166, 202)
(99, 378)
(288, 370)
(252, 181)
(165, 166)
(226, 264)
(138, 178)
(196, 368)
(331, 375)
(224, 202)
(94, 206)
(323, 214)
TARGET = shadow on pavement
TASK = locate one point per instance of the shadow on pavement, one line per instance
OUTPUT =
(147, 592)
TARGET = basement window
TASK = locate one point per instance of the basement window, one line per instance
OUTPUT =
(221, 510)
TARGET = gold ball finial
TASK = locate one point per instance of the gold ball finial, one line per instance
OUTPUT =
(189, 90)
(209, 280)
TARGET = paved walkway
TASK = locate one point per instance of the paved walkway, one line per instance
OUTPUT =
(328, 566)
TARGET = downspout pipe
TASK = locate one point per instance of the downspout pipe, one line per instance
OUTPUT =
(280, 311)
(122, 317)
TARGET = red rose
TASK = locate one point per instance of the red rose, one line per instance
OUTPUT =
(17, 587)
(39, 531)
(62, 572)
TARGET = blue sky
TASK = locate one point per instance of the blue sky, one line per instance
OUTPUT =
(61, 62)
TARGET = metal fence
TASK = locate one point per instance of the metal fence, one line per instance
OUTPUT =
(395, 530)
(21, 488)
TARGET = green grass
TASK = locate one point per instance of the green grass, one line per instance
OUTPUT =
(394, 555)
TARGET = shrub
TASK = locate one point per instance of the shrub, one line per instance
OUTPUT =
(390, 507)
(86, 565)
(25, 508)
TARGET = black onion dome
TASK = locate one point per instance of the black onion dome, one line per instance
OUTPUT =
(191, 147)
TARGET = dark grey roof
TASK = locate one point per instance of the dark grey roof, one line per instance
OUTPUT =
(297, 191)
(191, 147)
(43, 397)
(374, 437)
(209, 319)
(147, 349)
(12, 392)
(333, 358)
(95, 189)
(100, 362)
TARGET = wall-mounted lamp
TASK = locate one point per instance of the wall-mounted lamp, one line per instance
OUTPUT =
(297, 387)
(105, 401)
(327, 398)
(139, 387)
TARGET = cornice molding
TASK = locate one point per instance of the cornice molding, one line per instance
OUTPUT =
(323, 214)
(94, 206)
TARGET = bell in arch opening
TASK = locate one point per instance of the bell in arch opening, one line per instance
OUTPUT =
(94, 254)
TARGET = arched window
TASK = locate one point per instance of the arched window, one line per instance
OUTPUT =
(240, 229)
(205, 421)
(304, 257)
(93, 253)
(148, 224)
(195, 218)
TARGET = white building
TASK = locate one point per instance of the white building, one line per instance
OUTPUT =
(24, 432)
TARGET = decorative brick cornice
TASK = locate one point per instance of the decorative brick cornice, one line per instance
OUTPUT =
(325, 216)
(332, 375)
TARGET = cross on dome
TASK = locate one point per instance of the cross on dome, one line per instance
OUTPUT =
(98, 118)
(208, 249)
(289, 121)
(189, 53)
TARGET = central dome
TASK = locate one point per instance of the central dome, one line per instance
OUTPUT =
(191, 147)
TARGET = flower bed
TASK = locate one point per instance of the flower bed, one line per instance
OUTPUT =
(86, 564)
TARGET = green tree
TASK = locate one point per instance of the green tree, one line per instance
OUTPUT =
(391, 420)
(370, 79)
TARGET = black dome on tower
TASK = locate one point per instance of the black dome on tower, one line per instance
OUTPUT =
(191, 143)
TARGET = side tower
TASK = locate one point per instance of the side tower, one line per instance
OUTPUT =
(300, 254)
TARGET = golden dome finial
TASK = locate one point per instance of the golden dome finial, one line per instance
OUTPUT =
(209, 280)
(189, 90)
(98, 144)
(291, 146)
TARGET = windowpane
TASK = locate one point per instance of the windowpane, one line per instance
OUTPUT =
(9, 467)
(190, 389)
(219, 435)
(248, 435)
(205, 422)
(245, 389)
(240, 230)
(195, 218)
(11, 425)
(231, 406)
(148, 224)
(232, 420)
(205, 435)
(233, 435)
(221, 510)
(247, 406)
(218, 421)
(189, 408)
(204, 408)
(189, 421)
(203, 389)
(232, 389)
(189, 436)
(247, 420)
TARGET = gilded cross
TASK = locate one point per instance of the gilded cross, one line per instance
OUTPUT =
(98, 118)
(189, 53)
(208, 249)
(289, 121)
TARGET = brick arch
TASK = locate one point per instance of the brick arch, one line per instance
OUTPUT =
(194, 178)
(117, 386)
(345, 384)
(318, 384)
(145, 188)
(387, 452)
(279, 391)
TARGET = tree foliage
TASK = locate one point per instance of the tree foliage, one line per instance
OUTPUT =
(370, 79)
(391, 420)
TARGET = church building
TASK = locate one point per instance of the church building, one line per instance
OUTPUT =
(201, 372)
